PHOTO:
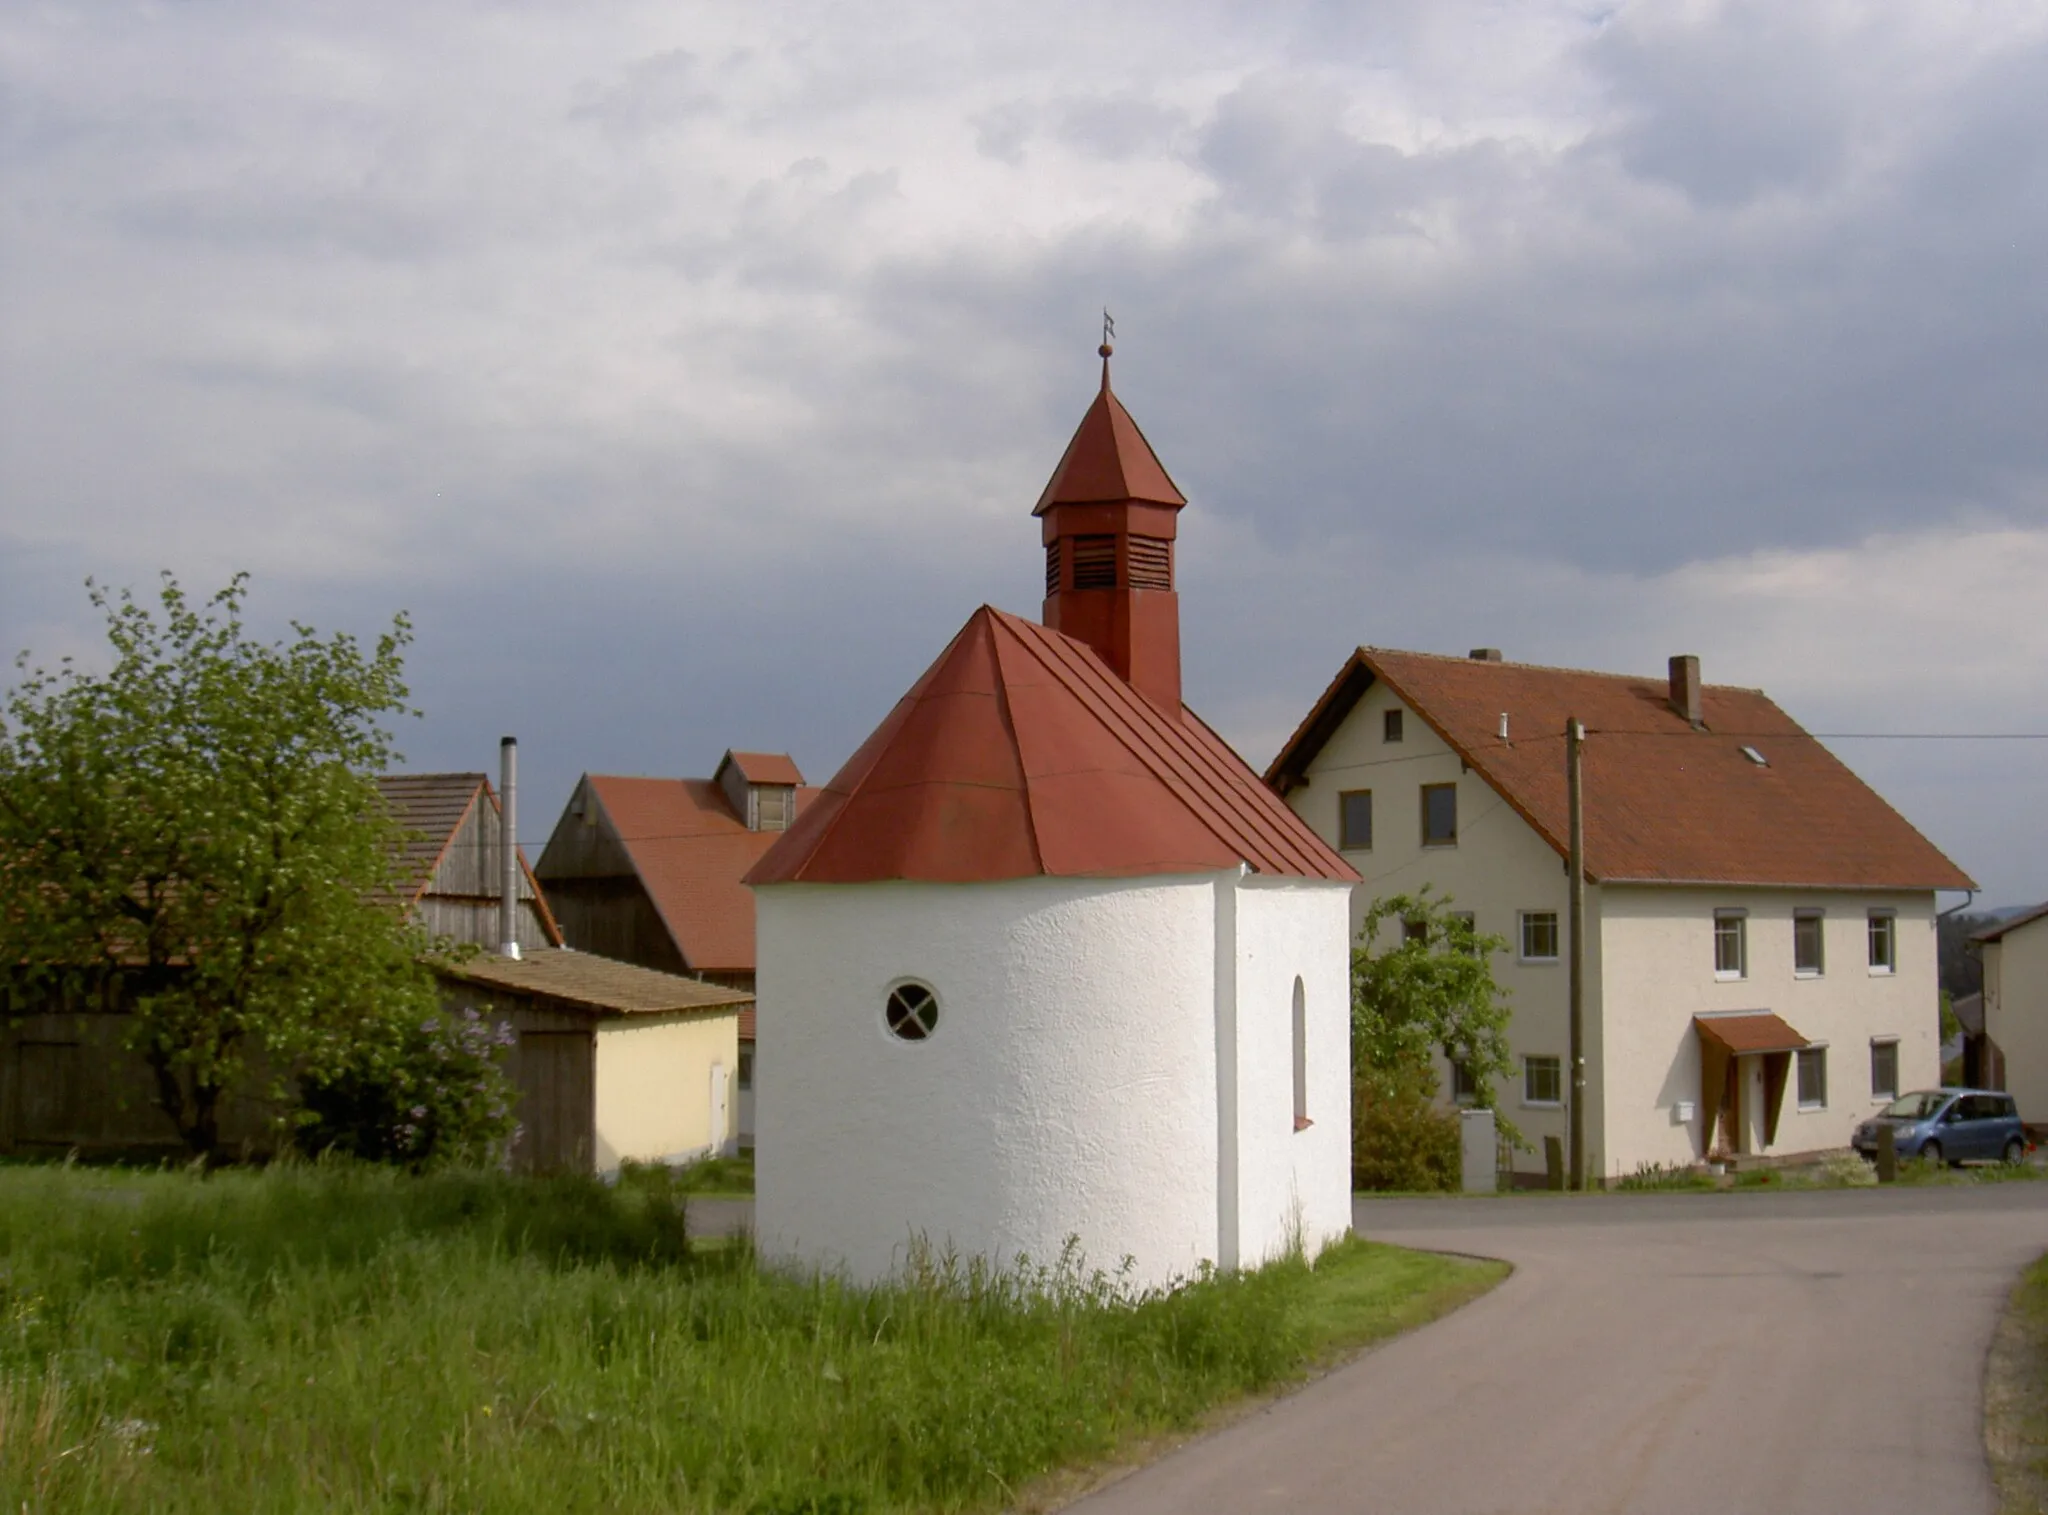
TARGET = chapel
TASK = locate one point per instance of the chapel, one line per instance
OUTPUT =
(1046, 967)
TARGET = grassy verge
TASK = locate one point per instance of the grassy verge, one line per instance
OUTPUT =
(2016, 1397)
(351, 1340)
(708, 1177)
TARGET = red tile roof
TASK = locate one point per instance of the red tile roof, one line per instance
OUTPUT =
(1664, 803)
(1019, 753)
(691, 852)
(765, 767)
(1108, 461)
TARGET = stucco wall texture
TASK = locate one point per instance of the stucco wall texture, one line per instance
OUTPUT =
(654, 1088)
(2016, 1013)
(1070, 1088)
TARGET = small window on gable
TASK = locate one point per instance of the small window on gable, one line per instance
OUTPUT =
(1354, 820)
(912, 1012)
(1439, 815)
(1390, 726)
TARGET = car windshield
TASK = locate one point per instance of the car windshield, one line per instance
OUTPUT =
(1916, 1106)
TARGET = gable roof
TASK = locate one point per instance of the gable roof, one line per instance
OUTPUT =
(597, 984)
(433, 808)
(1107, 461)
(690, 852)
(2011, 923)
(763, 767)
(1665, 803)
(1019, 753)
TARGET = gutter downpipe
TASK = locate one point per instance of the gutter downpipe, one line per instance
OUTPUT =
(508, 847)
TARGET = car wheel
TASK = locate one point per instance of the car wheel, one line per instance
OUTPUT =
(1932, 1153)
(2015, 1152)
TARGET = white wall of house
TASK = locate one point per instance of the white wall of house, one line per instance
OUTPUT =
(655, 1086)
(1650, 963)
(1071, 1087)
(1499, 870)
(1657, 949)
(2016, 1012)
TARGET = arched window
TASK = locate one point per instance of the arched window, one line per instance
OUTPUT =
(1301, 1120)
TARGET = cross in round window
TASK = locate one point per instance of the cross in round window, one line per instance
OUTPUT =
(913, 1012)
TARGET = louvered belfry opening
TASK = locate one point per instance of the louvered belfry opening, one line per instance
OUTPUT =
(1108, 518)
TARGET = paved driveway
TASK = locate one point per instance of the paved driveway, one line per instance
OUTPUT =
(1731, 1354)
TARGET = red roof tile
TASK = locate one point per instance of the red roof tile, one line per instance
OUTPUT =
(1664, 803)
(1019, 753)
(691, 852)
(1108, 461)
(765, 767)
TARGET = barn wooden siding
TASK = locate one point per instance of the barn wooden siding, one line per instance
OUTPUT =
(460, 898)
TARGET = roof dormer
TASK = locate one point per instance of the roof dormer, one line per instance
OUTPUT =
(761, 788)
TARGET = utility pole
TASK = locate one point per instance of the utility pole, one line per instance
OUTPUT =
(1574, 743)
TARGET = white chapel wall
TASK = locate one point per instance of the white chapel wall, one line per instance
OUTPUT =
(1070, 1088)
(1292, 1182)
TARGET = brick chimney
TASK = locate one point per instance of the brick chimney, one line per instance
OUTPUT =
(1109, 517)
(1685, 687)
(1484, 654)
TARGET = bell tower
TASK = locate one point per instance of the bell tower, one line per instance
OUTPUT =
(1110, 515)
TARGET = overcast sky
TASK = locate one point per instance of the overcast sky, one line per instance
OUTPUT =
(688, 371)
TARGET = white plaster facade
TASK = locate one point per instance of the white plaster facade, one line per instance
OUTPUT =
(1113, 1062)
(659, 1080)
(1649, 961)
(2016, 1011)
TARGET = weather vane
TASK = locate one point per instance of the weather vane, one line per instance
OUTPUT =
(1108, 330)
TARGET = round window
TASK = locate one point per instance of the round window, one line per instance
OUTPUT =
(913, 1012)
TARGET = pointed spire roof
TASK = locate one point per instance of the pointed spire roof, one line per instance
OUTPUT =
(1108, 460)
(1020, 754)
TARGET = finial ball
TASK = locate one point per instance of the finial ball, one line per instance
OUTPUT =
(1105, 350)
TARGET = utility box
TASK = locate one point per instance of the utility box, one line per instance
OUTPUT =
(1478, 1152)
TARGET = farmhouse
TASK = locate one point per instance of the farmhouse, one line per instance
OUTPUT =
(1760, 963)
(1045, 960)
(2013, 1039)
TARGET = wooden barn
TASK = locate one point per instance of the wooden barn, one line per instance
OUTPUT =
(450, 867)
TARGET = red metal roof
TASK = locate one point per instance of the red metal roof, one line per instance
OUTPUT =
(1749, 1031)
(691, 852)
(765, 767)
(1665, 803)
(1019, 753)
(1108, 461)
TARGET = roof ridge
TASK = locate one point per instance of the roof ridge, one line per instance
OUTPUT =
(1010, 727)
(1370, 650)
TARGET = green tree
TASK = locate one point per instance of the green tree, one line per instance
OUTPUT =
(195, 837)
(1429, 989)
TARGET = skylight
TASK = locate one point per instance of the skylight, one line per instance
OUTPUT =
(1755, 757)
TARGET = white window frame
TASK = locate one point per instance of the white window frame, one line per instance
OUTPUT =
(1522, 922)
(1819, 1050)
(1878, 1095)
(1820, 942)
(1889, 919)
(1531, 1103)
(1739, 919)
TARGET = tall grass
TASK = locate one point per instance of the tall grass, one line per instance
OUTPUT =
(333, 1338)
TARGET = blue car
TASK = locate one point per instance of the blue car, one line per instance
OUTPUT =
(1949, 1126)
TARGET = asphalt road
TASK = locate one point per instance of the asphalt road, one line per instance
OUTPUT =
(1724, 1354)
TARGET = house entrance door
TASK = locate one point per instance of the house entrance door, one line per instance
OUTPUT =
(1755, 1107)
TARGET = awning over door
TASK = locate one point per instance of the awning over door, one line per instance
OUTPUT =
(1723, 1039)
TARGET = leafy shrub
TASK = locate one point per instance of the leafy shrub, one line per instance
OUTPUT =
(1400, 1138)
(413, 1091)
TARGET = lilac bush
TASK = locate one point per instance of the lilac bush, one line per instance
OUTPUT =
(419, 1090)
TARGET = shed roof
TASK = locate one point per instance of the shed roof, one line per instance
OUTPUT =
(596, 984)
(2010, 924)
(690, 852)
(1020, 753)
(1665, 803)
(1749, 1031)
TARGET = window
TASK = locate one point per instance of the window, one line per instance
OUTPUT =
(1414, 931)
(746, 1067)
(1542, 1080)
(1354, 819)
(912, 1012)
(1439, 815)
(1731, 944)
(1813, 1078)
(1806, 943)
(1884, 1068)
(1301, 1120)
(1539, 936)
(1390, 726)
(1884, 942)
(1464, 1087)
